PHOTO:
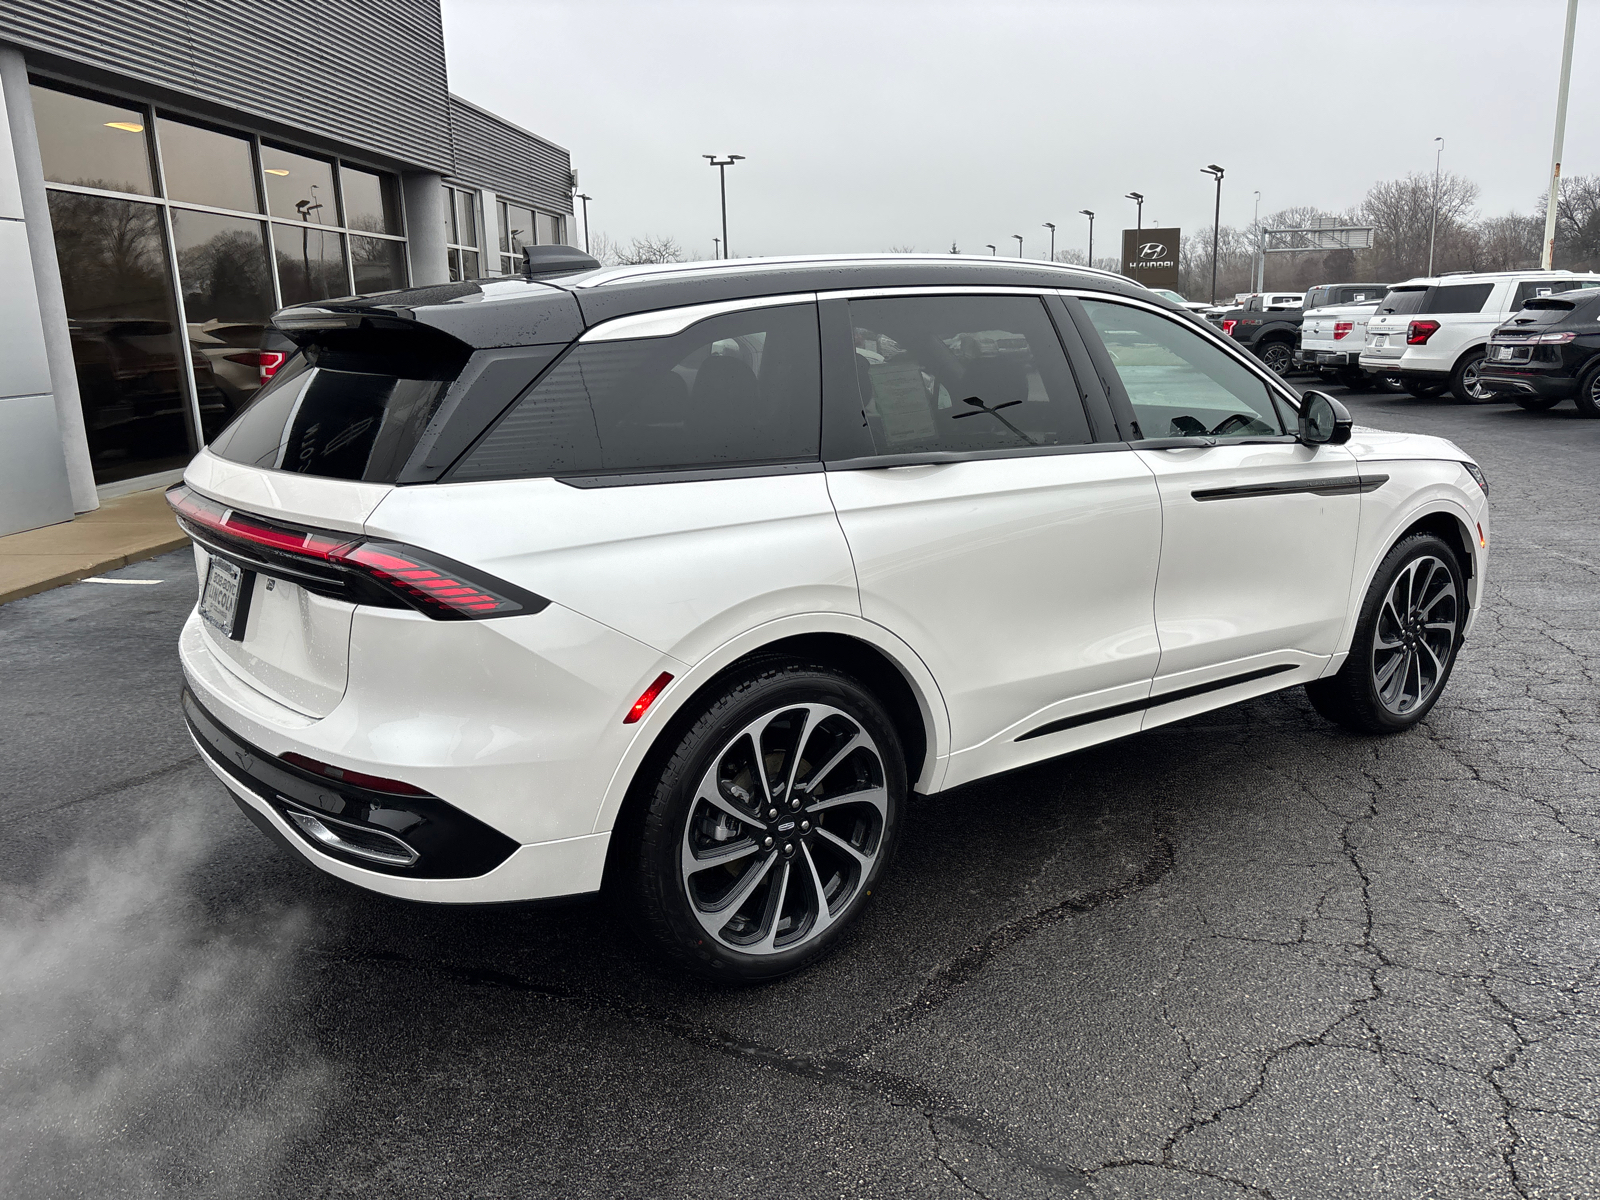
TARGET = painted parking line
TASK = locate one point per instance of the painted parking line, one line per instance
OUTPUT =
(123, 582)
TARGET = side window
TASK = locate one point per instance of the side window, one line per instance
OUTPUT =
(737, 390)
(1181, 385)
(963, 373)
(1528, 289)
(1457, 298)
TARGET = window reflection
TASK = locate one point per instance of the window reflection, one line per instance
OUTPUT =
(310, 263)
(379, 266)
(120, 314)
(550, 230)
(92, 143)
(299, 188)
(203, 166)
(371, 201)
(227, 302)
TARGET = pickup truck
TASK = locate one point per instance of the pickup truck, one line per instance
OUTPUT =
(1331, 339)
(1269, 322)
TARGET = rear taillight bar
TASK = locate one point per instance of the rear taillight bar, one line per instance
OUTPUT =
(1342, 329)
(436, 586)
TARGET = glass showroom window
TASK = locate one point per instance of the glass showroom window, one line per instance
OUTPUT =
(163, 224)
(461, 234)
(522, 226)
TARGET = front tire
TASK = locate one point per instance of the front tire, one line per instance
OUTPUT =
(1405, 643)
(769, 825)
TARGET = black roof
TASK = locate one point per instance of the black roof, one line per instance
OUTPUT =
(521, 312)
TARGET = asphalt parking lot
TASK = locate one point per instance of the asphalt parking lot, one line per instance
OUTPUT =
(1244, 955)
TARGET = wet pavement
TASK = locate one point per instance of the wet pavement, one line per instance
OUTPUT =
(1244, 955)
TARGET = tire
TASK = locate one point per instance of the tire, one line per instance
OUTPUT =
(1399, 661)
(723, 888)
(1353, 378)
(1390, 384)
(1423, 391)
(1537, 403)
(1465, 384)
(1277, 357)
(1588, 397)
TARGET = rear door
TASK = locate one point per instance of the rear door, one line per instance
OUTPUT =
(1258, 530)
(990, 530)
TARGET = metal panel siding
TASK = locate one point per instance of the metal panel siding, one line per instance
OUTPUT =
(367, 74)
(521, 167)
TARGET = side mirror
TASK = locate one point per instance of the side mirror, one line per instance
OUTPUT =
(1323, 420)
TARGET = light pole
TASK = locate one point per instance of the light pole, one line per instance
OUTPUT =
(1216, 226)
(991, 248)
(306, 207)
(1050, 225)
(1138, 220)
(1086, 212)
(1548, 256)
(716, 247)
(585, 199)
(1261, 255)
(1018, 236)
(1433, 221)
(722, 165)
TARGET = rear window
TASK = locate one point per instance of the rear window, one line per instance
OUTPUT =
(1456, 298)
(1402, 300)
(1319, 298)
(1530, 289)
(1359, 295)
(743, 389)
(345, 411)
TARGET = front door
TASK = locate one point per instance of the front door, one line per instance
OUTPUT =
(1258, 530)
(989, 531)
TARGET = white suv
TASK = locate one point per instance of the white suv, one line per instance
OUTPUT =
(1434, 333)
(683, 580)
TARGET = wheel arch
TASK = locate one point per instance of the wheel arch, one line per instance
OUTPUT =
(1450, 522)
(850, 644)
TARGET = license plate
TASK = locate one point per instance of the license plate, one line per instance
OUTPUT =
(1503, 352)
(1380, 341)
(220, 600)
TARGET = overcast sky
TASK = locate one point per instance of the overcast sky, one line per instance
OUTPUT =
(875, 124)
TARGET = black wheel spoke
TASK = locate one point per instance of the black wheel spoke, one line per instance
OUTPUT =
(1414, 635)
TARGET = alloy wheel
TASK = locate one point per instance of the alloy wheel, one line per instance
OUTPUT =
(1415, 636)
(784, 829)
(1276, 358)
(1472, 382)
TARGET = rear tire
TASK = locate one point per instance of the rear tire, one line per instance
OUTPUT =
(1405, 644)
(1465, 382)
(741, 876)
(1390, 384)
(1423, 391)
(1537, 403)
(1588, 397)
(1277, 357)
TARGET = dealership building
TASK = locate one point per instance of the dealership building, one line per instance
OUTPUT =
(172, 173)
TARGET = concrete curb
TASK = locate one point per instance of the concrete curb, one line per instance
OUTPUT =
(110, 563)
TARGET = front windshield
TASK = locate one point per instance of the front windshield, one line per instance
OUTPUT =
(1170, 295)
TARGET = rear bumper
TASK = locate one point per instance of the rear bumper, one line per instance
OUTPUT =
(1325, 358)
(1519, 381)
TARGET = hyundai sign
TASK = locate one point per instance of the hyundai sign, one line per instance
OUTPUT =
(1150, 256)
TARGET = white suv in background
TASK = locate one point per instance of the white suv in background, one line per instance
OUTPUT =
(1433, 332)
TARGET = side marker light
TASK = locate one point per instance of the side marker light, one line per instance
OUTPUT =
(647, 699)
(1483, 542)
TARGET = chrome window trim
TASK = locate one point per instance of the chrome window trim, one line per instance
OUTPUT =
(941, 289)
(780, 262)
(1249, 360)
(669, 321)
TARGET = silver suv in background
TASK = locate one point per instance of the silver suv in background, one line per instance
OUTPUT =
(1433, 332)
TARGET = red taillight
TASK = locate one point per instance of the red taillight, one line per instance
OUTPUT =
(360, 779)
(266, 362)
(1418, 332)
(1227, 326)
(1341, 328)
(424, 583)
(436, 586)
(647, 698)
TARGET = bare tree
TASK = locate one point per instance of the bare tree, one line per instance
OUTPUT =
(1577, 223)
(652, 248)
(1402, 213)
